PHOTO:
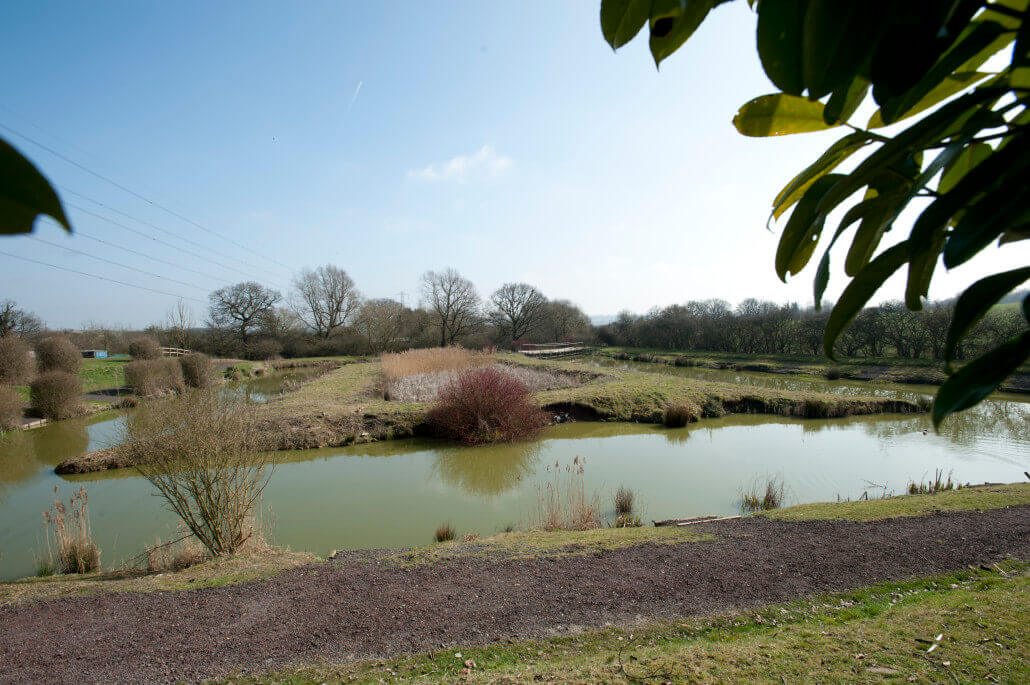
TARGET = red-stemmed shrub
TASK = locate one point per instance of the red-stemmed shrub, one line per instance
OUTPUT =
(484, 405)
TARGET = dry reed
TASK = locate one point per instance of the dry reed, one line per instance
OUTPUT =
(70, 545)
(564, 503)
(431, 360)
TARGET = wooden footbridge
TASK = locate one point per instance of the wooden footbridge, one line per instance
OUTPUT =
(549, 350)
(174, 351)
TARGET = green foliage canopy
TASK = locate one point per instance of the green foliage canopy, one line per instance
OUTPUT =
(965, 156)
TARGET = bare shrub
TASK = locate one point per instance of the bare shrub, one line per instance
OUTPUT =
(763, 496)
(623, 500)
(443, 533)
(11, 410)
(197, 370)
(144, 348)
(485, 405)
(70, 545)
(15, 361)
(56, 395)
(564, 503)
(148, 377)
(677, 416)
(57, 353)
(197, 451)
(430, 360)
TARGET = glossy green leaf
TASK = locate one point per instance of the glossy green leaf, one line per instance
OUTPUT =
(1014, 235)
(781, 26)
(845, 100)
(965, 162)
(822, 278)
(921, 264)
(986, 221)
(25, 194)
(778, 115)
(877, 214)
(973, 304)
(801, 233)
(980, 377)
(950, 86)
(1006, 21)
(838, 37)
(621, 20)
(968, 45)
(834, 155)
(861, 290)
(673, 22)
(893, 153)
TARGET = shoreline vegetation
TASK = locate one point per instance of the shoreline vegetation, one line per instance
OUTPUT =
(263, 561)
(865, 369)
(346, 406)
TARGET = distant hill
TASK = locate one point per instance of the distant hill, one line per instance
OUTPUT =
(1016, 296)
(602, 320)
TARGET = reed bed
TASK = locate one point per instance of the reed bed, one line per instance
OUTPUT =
(427, 387)
(69, 543)
(431, 360)
(564, 504)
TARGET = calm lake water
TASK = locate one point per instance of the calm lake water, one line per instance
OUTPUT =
(394, 494)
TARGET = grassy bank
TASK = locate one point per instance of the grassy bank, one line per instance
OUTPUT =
(346, 406)
(876, 369)
(882, 632)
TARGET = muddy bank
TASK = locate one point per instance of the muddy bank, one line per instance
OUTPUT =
(312, 431)
(365, 605)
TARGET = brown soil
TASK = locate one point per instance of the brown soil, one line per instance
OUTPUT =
(358, 606)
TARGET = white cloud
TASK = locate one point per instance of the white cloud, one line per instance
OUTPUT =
(484, 162)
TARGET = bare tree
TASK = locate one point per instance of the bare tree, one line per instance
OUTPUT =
(180, 322)
(561, 319)
(15, 321)
(198, 451)
(383, 323)
(279, 323)
(242, 306)
(453, 302)
(326, 298)
(517, 308)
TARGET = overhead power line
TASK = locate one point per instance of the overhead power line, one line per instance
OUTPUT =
(121, 187)
(79, 234)
(114, 263)
(179, 236)
(158, 240)
(100, 278)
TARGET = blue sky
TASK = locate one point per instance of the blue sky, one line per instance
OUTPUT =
(503, 139)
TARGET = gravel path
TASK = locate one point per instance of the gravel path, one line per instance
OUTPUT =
(351, 608)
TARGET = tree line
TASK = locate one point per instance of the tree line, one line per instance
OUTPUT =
(326, 314)
(762, 327)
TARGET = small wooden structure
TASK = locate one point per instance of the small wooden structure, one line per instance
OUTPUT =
(558, 349)
(174, 351)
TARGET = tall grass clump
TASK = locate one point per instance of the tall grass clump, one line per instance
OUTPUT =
(10, 409)
(677, 415)
(198, 452)
(15, 361)
(144, 348)
(763, 496)
(57, 353)
(431, 360)
(173, 556)
(485, 405)
(154, 376)
(70, 545)
(197, 370)
(443, 533)
(940, 483)
(625, 514)
(564, 503)
(56, 395)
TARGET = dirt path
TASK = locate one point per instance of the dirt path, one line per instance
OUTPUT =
(352, 607)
